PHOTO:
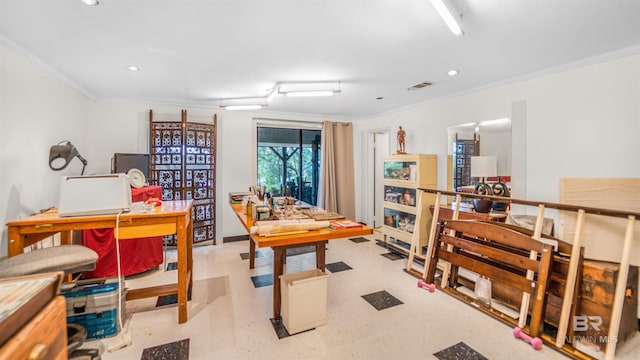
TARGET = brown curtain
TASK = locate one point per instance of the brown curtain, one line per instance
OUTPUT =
(337, 188)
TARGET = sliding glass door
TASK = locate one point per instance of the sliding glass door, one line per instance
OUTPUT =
(289, 162)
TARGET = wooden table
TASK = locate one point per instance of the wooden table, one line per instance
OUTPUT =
(173, 217)
(280, 244)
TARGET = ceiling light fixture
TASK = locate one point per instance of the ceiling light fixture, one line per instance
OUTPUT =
(91, 2)
(309, 89)
(247, 103)
(449, 15)
(133, 68)
(242, 107)
(453, 72)
(309, 93)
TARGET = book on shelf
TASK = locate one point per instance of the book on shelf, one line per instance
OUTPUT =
(345, 224)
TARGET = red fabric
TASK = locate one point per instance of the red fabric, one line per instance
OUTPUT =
(136, 255)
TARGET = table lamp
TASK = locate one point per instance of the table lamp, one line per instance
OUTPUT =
(60, 156)
(483, 167)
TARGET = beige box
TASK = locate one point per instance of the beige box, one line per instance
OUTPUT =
(304, 300)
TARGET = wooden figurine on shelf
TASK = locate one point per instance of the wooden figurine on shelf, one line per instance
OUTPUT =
(401, 138)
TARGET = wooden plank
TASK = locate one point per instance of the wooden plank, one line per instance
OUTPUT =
(447, 266)
(570, 286)
(496, 233)
(493, 253)
(489, 271)
(432, 238)
(618, 299)
(161, 290)
(549, 205)
(133, 232)
(524, 305)
(621, 194)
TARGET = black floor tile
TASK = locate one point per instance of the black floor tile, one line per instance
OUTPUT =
(359, 239)
(170, 299)
(459, 351)
(172, 266)
(392, 256)
(338, 266)
(381, 300)
(245, 256)
(278, 327)
(262, 280)
(281, 330)
(177, 350)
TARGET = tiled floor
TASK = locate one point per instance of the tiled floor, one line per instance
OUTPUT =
(229, 315)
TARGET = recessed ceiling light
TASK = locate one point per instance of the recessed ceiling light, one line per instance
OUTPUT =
(91, 2)
(453, 72)
(133, 68)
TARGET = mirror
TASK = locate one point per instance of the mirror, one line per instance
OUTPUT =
(482, 138)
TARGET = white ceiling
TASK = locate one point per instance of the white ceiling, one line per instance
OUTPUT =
(194, 52)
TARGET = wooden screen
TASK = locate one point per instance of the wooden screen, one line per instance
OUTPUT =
(182, 162)
(463, 150)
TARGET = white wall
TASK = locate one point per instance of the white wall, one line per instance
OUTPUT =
(579, 123)
(36, 111)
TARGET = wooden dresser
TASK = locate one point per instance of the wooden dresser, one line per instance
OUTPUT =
(35, 324)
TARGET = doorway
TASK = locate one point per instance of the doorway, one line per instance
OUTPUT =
(379, 145)
(288, 162)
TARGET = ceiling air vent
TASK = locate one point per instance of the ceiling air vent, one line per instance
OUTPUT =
(420, 85)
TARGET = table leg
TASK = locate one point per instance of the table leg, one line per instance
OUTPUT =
(182, 269)
(65, 238)
(320, 254)
(190, 252)
(252, 253)
(278, 269)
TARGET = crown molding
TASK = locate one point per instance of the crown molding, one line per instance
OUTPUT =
(39, 63)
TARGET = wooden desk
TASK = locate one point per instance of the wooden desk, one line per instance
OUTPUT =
(280, 244)
(173, 217)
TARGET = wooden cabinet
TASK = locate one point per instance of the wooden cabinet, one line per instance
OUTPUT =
(403, 175)
(34, 322)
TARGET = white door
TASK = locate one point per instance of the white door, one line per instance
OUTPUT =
(380, 150)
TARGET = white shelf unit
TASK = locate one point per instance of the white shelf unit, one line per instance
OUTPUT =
(403, 175)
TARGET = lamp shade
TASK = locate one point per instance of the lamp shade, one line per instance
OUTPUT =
(60, 156)
(483, 166)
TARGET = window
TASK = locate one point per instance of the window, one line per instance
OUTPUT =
(289, 162)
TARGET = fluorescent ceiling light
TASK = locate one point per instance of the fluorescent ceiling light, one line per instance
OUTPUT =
(453, 72)
(495, 122)
(446, 12)
(242, 107)
(90, 2)
(309, 93)
(309, 89)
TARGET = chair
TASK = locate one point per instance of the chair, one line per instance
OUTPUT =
(70, 259)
